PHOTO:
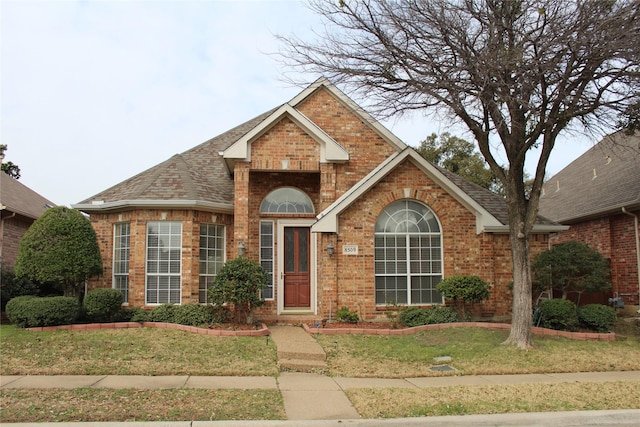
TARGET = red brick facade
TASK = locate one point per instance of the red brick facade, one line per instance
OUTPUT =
(13, 228)
(285, 155)
(614, 237)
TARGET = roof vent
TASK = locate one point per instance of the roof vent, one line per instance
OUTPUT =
(557, 186)
(595, 174)
(607, 159)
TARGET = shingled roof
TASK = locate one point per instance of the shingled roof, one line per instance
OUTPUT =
(602, 181)
(197, 177)
(20, 199)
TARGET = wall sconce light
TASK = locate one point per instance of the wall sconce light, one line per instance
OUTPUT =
(330, 249)
(241, 249)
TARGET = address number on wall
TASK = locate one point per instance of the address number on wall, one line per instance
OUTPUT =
(350, 250)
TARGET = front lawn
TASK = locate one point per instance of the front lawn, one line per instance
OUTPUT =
(474, 351)
(140, 351)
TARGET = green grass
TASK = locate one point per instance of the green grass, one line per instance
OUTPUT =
(495, 399)
(474, 351)
(84, 404)
(132, 352)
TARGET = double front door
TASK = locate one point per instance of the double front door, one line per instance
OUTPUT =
(297, 267)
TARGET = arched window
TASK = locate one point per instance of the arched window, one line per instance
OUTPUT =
(286, 200)
(408, 255)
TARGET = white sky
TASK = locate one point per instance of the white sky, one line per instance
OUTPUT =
(94, 92)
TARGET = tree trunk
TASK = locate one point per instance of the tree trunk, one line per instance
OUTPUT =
(521, 320)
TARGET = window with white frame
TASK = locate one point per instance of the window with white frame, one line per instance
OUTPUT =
(266, 255)
(407, 255)
(287, 200)
(121, 251)
(212, 256)
(164, 254)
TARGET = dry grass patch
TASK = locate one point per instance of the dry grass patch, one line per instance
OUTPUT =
(495, 399)
(57, 405)
(474, 351)
(133, 352)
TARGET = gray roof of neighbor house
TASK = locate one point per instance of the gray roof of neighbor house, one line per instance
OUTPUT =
(20, 199)
(602, 181)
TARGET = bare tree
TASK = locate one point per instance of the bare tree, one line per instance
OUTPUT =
(517, 72)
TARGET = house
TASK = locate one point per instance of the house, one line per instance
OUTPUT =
(337, 209)
(598, 196)
(19, 208)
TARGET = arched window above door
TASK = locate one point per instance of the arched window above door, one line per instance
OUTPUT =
(287, 200)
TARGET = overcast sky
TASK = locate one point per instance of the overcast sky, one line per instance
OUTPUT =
(94, 92)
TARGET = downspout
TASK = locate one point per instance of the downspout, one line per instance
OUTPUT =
(635, 221)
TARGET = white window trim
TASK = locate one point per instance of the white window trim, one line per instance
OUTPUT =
(273, 255)
(224, 255)
(146, 272)
(113, 273)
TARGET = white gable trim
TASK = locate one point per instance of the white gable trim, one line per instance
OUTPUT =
(349, 103)
(328, 219)
(330, 150)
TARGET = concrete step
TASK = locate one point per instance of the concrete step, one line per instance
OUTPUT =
(302, 355)
(302, 365)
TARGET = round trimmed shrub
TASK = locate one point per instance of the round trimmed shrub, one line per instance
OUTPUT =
(31, 312)
(597, 317)
(559, 314)
(193, 314)
(101, 305)
(442, 314)
(163, 313)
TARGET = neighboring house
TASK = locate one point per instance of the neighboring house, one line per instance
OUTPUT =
(598, 196)
(19, 208)
(338, 210)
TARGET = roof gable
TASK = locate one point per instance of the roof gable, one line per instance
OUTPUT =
(489, 208)
(602, 181)
(330, 150)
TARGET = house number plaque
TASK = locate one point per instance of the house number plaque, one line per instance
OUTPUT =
(350, 250)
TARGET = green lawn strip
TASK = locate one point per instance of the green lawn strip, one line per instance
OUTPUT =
(85, 405)
(495, 399)
(474, 351)
(133, 352)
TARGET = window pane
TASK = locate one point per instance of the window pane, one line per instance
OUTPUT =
(211, 257)
(164, 252)
(407, 228)
(287, 200)
(304, 249)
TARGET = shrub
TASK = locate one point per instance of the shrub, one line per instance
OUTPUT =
(347, 316)
(559, 314)
(130, 314)
(163, 313)
(12, 287)
(238, 284)
(463, 290)
(30, 312)
(101, 305)
(415, 316)
(597, 317)
(193, 314)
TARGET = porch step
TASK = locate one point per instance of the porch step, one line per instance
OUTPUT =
(297, 350)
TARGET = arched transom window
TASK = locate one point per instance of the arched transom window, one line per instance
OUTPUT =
(286, 200)
(408, 255)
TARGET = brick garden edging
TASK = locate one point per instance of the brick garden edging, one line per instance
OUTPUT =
(410, 331)
(128, 325)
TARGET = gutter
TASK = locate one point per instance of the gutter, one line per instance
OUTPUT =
(635, 221)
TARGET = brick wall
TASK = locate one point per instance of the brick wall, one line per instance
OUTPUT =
(348, 280)
(614, 238)
(191, 220)
(13, 229)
